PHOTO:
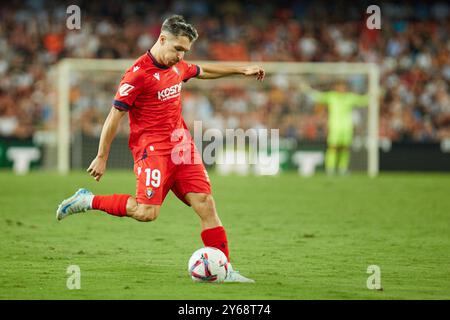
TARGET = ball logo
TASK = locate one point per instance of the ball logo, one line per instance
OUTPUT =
(125, 89)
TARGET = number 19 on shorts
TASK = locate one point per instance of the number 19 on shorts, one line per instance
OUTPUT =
(152, 177)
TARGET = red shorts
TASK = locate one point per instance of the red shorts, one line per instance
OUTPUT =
(157, 174)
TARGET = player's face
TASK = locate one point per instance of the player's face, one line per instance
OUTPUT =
(341, 87)
(174, 48)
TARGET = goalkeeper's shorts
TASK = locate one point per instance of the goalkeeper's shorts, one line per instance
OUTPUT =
(340, 137)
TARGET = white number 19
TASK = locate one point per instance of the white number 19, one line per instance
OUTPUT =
(153, 177)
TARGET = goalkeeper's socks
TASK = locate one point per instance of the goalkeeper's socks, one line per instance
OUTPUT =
(217, 238)
(330, 160)
(115, 204)
(344, 160)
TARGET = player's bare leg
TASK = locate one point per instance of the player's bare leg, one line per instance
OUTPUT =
(204, 205)
(213, 233)
(118, 205)
(142, 212)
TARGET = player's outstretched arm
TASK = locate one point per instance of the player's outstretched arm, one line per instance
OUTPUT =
(318, 96)
(109, 130)
(360, 100)
(214, 71)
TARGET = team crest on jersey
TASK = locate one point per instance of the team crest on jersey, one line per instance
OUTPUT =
(149, 192)
(156, 75)
(176, 70)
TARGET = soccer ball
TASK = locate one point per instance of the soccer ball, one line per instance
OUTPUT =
(208, 264)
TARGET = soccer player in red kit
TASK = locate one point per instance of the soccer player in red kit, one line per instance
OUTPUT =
(165, 157)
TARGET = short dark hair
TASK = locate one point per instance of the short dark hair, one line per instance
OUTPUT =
(177, 26)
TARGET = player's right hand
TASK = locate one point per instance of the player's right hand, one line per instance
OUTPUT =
(304, 87)
(255, 71)
(97, 168)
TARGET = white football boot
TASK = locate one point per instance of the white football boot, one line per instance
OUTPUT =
(235, 276)
(81, 201)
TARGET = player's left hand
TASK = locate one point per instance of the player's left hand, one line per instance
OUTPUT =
(255, 71)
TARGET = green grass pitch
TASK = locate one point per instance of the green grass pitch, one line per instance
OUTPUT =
(298, 238)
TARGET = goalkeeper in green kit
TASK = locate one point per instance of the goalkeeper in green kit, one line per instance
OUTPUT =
(340, 104)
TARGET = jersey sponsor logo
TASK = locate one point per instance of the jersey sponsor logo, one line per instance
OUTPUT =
(125, 89)
(169, 93)
(135, 68)
(156, 75)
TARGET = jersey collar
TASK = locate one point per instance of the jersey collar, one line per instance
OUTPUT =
(156, 63)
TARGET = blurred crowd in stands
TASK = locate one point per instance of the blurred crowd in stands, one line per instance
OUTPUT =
(412, 49)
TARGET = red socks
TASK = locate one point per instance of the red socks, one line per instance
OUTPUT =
(217, 238)
(115, 204)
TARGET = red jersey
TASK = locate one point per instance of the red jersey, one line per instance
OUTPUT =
(151, 93)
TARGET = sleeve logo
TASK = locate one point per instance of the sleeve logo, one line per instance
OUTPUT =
(125, 89)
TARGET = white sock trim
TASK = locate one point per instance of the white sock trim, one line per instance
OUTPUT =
(90, 199)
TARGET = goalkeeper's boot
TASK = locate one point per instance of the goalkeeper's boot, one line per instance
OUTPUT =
(80, 202)
(235, 276)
